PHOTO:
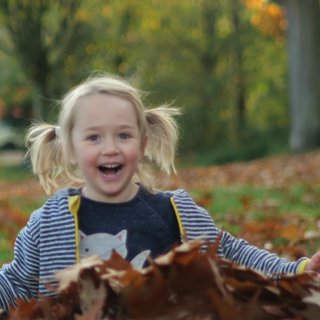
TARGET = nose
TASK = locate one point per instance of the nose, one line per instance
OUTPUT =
(109, 147)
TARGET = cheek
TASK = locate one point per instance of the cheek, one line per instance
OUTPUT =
(135, 154)
(81, 156)
(87, 157)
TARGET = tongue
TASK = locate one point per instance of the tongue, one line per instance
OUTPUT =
(110, 173)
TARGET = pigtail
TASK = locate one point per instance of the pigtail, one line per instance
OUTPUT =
(162, 132)
(45, 152)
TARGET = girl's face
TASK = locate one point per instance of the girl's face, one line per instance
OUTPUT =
(106, 146)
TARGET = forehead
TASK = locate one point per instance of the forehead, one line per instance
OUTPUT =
(102, 107)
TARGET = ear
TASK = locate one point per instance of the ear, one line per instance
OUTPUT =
(122, 235)
(72, 157)
(144, 142)
(82, 235)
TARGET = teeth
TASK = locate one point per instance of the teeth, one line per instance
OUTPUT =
(110, 166)
(113, 167)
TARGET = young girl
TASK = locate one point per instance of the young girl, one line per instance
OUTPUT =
(102, 146)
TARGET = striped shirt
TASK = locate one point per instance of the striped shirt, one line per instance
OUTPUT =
(49, 243)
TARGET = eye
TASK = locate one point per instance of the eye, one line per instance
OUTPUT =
(124, 135)
(93, 137)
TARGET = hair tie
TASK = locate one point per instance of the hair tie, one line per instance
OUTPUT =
(57, 131)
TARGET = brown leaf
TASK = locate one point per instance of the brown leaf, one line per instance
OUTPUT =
(187, 283)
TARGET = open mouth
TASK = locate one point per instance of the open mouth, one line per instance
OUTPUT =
(110, 169)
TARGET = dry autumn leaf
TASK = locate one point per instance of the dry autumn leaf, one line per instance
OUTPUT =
(187, 283)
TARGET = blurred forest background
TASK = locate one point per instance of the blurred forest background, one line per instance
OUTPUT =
(245, 72)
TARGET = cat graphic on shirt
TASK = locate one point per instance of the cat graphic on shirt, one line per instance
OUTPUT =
(102, 245)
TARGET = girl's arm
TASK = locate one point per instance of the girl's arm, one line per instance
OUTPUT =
(198, 223)
(19, 279)
(241, 252)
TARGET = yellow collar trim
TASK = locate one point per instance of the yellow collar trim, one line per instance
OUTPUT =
(176, 211)
(74, 205)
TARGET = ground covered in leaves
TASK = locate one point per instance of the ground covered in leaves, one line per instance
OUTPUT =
(272, 202)
(277, 171)
(202, 285)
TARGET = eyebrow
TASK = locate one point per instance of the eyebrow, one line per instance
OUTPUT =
(122, 126)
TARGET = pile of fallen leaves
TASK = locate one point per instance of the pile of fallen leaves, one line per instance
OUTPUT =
(273, 171)
(187, 283)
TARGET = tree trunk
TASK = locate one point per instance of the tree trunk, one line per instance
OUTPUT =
(304, 73)
(240, 96)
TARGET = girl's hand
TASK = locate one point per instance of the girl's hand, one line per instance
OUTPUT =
(314, 263)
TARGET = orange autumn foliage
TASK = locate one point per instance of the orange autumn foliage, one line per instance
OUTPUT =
(269, 18)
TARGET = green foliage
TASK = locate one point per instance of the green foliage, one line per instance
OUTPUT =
(203, 56)
(249, 145)
(43, 35)
(296, 199)
(14, 173)
(280, 216)
(5, 253)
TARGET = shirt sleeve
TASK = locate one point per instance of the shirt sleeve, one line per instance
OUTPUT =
(19, 279)
(197, 223)
(241, 252)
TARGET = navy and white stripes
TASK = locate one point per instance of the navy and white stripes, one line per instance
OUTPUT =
(48, 244)
(198, 223)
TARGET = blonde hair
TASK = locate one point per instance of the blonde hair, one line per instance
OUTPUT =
(49, 145)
